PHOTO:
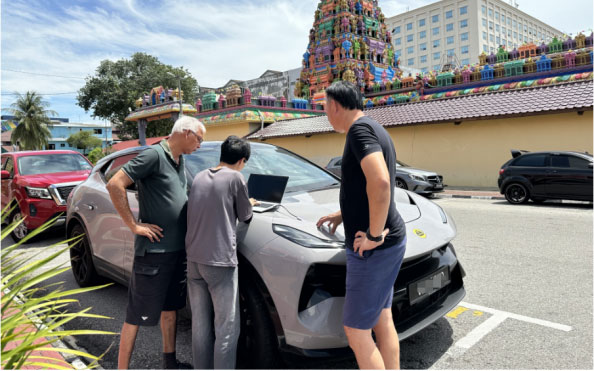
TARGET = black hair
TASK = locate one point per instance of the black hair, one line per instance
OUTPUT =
(234, 149)
(346, 94)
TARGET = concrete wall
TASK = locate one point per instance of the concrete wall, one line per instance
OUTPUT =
(222, 131)
(469, 154)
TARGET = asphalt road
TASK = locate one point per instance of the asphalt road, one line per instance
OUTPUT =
(528, 303)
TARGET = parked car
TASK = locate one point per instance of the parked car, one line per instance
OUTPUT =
(40, 182)
(541, 176)
(407, 177)
(292, 274)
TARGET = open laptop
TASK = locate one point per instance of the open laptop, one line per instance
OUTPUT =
(268, 189)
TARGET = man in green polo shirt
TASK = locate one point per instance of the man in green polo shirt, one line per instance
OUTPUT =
(156, 290)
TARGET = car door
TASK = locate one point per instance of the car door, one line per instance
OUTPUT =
(570, 176)
(532, 167)
(8, 165)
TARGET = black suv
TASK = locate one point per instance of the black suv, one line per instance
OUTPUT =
(540, 176)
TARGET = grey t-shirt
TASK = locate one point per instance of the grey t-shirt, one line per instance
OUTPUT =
(218, 198)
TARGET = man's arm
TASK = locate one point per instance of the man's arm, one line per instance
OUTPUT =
(378, 191)
(117, 191)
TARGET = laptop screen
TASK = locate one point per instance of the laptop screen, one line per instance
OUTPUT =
(269, 188)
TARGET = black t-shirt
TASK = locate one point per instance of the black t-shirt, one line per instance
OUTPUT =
(366, 136)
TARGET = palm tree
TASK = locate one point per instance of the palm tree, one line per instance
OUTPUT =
(32, 119)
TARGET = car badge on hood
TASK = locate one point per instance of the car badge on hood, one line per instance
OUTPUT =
(420, 233)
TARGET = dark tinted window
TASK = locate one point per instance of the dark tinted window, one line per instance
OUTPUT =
(9, 166)
(531, 160)
(116, 164)
(568, 161)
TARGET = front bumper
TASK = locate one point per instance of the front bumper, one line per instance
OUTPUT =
(420, 187)
(38, 211)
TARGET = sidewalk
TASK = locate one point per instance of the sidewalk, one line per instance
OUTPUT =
(462, 192)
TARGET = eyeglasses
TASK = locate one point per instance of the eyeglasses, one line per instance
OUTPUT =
(198, 137)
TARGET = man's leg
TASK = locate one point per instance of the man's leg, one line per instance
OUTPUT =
(224, 291)
(201, 305)
(168, 330)
(362, 344)
(387, 340)
(127, 340)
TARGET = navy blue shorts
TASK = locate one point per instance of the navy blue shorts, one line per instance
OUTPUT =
(370, 284)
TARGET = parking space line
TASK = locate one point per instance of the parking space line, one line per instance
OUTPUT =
(519, 317)
(480, 331)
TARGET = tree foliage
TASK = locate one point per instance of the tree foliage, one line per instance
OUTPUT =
(32, 118)
(83, 140)
(95, 155)
(110, 94)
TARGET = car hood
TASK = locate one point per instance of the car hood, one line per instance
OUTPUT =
(414, 170)
(302, 211)
(45, 180)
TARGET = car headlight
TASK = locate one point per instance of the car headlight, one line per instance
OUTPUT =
(305, 239)
(444, 216)
(38, 192)
(418, 177)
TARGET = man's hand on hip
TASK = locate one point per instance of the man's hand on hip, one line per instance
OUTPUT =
(150, 231)
(362, 244)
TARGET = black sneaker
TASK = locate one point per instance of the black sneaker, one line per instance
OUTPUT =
(179, 366)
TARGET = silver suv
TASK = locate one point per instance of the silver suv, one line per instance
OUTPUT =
(291, 275)
(420, 181)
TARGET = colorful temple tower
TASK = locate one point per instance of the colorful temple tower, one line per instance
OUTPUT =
(349, 41)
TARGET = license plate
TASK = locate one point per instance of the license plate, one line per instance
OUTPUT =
(438, 186)
(424, 287)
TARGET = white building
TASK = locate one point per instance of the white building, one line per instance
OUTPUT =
(458, 31)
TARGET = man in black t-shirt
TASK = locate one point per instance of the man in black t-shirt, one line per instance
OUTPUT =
(375, 235)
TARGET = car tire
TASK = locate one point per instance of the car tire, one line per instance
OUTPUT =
(516, 193)
(21, 231)
(401, 183)
(81, 259)
(258, 345)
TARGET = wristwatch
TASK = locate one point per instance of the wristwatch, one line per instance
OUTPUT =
(374, 239)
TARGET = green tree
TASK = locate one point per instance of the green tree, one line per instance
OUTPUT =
(83, 140)
(95, 155)
(110, 94)
(32, 118)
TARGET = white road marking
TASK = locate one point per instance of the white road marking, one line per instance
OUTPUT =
(480, 331)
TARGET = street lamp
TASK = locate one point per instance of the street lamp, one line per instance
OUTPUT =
(179, 93)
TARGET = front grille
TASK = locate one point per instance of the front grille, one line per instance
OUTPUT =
(65, 191)
(435, 179)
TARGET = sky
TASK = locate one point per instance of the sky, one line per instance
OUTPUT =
(51, 46)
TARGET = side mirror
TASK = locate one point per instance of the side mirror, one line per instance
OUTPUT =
(589, 165)
(6, 174)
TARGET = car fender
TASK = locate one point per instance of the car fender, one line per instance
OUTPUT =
(515, 179)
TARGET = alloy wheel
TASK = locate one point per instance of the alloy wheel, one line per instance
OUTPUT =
(20, 231)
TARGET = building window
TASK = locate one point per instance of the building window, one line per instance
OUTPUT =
(484, 36)
(519, 26)
(491, 25)
(498, 40)
(409, 26)
(422, 34)
(465, 61)
(396, 30)
(409, 38)
(97, 131)
(423, 59)
(421, 22)
(449, 14)
(525, 39)
(497, 16)
(436, 43)
(450, 52)
(497, 29)
(397, 41)
(515, 35)
(424, 70)
(411, 61)
(464, 36)
(484, 10)
(436, 55)
(503, 30)
(464, 23)
(435, 31)
(422, 47)
(450, 40)
(62, 145)
(51, 146)
(503, 19)
(435, 18)
(484, 22)
(449, 27)
(410, 50)
(485, 48)
(509, 21)
(463, 10)
(436, 67)
(490, 12)
(492, 38)
(504, 42)
(398, 52)
(464, 49)
(509, 33)
(515, 24)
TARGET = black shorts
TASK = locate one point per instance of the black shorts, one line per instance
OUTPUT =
(157, 283)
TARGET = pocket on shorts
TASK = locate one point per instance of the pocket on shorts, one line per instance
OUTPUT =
(146, 280)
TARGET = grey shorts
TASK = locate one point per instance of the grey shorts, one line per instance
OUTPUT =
(157, 283)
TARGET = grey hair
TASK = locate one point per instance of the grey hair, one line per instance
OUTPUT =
(188, 123)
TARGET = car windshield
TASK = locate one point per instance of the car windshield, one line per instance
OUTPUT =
(54, 163)
(270, 160)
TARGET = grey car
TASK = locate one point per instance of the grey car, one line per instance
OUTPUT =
(292, 274)
(407, 177)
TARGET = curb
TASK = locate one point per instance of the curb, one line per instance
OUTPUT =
(445, 195)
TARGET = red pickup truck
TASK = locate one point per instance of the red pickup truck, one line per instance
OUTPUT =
(40, 182)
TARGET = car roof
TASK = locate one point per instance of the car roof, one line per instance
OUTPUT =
(557, 152)
(44, 152)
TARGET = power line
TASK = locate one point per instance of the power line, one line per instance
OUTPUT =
(43, 74)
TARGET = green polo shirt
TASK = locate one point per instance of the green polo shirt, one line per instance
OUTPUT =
(162, 197)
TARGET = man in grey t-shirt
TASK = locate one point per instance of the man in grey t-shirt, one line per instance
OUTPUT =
(218, 199)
